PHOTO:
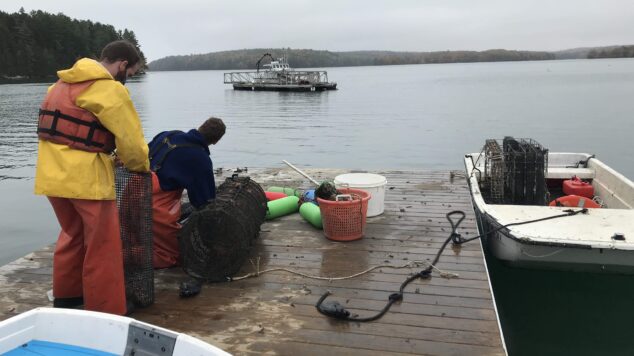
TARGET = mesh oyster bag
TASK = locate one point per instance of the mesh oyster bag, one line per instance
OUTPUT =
(134, 202)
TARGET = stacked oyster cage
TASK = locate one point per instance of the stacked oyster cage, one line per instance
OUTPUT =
(515, 172)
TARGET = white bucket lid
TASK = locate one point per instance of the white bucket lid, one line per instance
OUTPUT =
(361, 180)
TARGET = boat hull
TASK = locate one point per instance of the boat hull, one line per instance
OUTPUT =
(518, 253)
(93, 333)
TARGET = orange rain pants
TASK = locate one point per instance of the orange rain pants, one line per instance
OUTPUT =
(166, 210)
(88, 260)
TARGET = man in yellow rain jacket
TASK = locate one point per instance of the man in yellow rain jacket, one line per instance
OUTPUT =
(85, 116)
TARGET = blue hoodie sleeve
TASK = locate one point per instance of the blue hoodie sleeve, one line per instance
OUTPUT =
(202, 187)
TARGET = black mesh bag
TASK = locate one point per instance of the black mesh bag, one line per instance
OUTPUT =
(134, 201)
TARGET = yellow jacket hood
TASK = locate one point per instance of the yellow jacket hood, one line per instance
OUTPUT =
(83, 70)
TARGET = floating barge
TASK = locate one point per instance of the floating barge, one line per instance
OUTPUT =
(278, 76)
(275, 313)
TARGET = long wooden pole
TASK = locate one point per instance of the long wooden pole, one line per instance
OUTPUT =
(301, 172)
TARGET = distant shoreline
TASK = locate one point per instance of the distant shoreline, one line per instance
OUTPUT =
(246, 59)
(35, 79)
(27, 80)
(53, 79)
(404, 64)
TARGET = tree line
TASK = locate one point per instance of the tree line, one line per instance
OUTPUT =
(307, 58)
(612, 52)
(36, 44)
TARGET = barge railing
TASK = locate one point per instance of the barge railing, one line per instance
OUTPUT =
(284, 77)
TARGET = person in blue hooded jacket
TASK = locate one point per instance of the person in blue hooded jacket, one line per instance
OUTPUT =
(180, 160)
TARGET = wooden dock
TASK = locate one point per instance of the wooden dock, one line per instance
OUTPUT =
(274, 313)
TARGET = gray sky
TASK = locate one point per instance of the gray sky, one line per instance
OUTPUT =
(199, 26)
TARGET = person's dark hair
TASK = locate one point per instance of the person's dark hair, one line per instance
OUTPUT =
(212, 130)
(120, 50)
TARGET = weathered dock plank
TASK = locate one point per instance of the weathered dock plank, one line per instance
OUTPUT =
(274, 313)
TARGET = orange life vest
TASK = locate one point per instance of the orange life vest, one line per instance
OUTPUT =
(63, 122)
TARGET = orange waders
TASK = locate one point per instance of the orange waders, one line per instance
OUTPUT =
(166, 210)
(88, 260)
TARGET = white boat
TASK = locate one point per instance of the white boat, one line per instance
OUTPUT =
(48, 331)
(279, 65)
(597, 239)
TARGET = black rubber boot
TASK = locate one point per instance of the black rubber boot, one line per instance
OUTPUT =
(190, 288)
(69, 303)
(130, 307)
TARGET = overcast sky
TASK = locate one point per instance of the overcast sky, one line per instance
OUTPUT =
(199, 26)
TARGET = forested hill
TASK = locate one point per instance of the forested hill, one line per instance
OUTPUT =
(596, 52)
(612, 52)
(307, 58)
(35, 45)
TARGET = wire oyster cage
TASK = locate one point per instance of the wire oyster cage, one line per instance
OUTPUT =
(515, 171)
(217, 239)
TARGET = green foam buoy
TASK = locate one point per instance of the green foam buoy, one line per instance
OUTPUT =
(311, 213)
(286, 190)
(281, 207)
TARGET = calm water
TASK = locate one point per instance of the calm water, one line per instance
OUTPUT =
(417, 116)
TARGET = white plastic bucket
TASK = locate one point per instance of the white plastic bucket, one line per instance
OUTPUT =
(372, 183)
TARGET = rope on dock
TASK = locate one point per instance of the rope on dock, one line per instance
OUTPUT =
(410, 264)
(334, 309)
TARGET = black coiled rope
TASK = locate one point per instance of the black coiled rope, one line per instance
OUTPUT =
(334, 309)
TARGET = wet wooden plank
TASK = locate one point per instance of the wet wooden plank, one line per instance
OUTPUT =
(274, 313)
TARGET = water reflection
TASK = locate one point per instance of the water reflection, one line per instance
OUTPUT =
(342, 259)
(19, 104)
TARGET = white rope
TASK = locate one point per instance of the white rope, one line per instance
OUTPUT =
(411, 264)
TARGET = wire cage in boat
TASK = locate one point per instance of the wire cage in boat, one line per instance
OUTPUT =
(515, 172)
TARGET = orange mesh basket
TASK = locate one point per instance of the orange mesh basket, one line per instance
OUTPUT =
(345, 220)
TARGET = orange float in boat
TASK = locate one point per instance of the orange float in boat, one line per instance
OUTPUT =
(574, 201)
(576, 186)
